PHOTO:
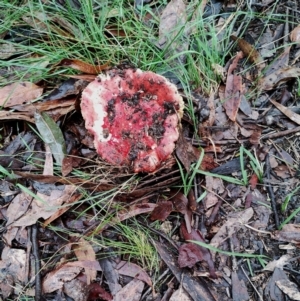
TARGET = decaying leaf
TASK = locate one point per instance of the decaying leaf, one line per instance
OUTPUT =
(96, 292)
(19, 93)
(234, 89)
(161, 211)
(282, 75)
(286, 111)
(202, 252)
(231, 226)
(52, 135)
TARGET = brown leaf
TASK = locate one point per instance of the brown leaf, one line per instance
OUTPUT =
(172, 20)
(180, 203)
(5, 115)
(96, 292)
(253, 181)
(84, 251)
(131, 291)
(287, 112)
(249, 50)
(44, 206)
(19, 93)
(185, 152)
(83, 67)
(57, 277)
(115, 31)
(205, 253)
(189, 255)
(295, 34)
(161, 211)
(234, 89)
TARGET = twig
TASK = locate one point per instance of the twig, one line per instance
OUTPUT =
(271, 192)
(259, 295)
(28, 252)
(36, 254)
(281, 133)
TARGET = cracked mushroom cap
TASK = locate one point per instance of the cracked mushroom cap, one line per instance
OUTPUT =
(133, 116)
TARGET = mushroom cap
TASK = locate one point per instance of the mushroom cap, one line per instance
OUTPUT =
(133, 116)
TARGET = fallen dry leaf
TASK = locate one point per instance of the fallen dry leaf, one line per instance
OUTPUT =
(295, 34)
(289, 288)
(83, 67)
(279, 263)
(181, 295)
(96, 292)
(161, 211)
(85, 252)
(55, 279)
(231, 226)
(19, 93)
(289, 233)
(234, 89)
(172, 19)
(14, 263)
(186, 152)
(249, 50)
(131, 291)
(133, 270)
(286, 111)
(5, 115)
(203, 252)
(282, 75)
(43, 206)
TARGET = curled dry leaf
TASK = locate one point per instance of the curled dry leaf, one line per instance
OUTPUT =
(83, 67)
(249, 50)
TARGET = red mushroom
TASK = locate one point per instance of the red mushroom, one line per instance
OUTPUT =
(134, 117)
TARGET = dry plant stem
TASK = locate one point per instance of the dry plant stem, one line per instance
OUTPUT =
(147, 292)
(282, 133)
(28, 252)
(36, 254)
(259, 295)
(271, 192)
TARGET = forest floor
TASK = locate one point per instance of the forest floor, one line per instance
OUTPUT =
(218, 219)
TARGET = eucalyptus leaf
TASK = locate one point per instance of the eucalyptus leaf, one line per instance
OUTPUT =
(52, 135)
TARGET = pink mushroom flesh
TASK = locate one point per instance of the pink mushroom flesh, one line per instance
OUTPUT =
(133, 116)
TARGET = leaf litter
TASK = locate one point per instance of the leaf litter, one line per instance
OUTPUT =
(77, 201)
